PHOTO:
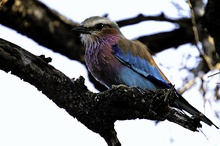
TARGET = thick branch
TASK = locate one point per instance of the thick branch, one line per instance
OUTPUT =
(211, 21)
(96, 111)
(43, 25)
(159, 42)
(161, 17)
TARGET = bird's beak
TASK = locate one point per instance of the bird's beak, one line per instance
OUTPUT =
(82, 30)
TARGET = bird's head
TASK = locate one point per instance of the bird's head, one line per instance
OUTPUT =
(98, 31)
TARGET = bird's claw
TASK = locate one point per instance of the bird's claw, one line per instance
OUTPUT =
(166, 99)
(118, 86)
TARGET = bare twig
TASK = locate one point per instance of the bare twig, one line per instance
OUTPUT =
(189, 84)
(213, 74)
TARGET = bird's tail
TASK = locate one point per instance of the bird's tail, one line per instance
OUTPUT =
(182, 104)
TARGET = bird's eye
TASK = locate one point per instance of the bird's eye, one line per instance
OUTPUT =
(100, 26)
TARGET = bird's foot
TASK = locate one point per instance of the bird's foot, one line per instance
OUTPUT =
(166, 99)
(118, 86)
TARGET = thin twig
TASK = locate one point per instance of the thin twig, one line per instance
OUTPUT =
(189, 84)
(213, 74)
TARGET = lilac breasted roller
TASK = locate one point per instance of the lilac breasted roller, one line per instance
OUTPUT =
(113, 60)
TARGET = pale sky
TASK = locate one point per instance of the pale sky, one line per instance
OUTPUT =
(30, 118)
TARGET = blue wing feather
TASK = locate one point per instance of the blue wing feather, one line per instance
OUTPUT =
(141, 66)
(154, 77)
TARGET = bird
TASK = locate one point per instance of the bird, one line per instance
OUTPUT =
(113, 59)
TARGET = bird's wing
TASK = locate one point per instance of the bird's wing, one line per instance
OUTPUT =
(135, 56)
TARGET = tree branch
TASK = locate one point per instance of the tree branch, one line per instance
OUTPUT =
(99, 111)
(161, 41)
(45, 26)
(211, 21)
(161, 17)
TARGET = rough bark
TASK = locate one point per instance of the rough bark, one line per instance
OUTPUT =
(99, 111)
